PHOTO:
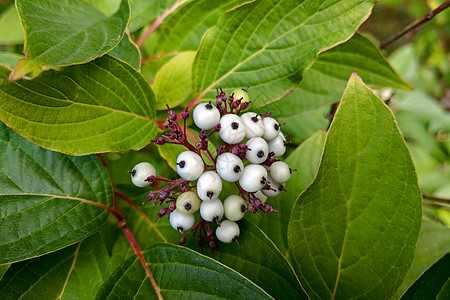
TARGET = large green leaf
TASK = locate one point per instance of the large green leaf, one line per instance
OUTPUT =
(257, 258)
(75, 272)
(433, 243)
(353, 232)
(104, 105)
(306, 160)
(269, 44)
(61, 33)
(179, 273)
(144, 11)
(184, 28)
(47, 199)
(433, 284)
(11, 32)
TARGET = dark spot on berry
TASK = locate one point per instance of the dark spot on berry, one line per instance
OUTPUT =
(260, 154)
(208, 106)
(209, 194)
(263, 180)
(243, 208)
(182, 164)
(276, 126)
(255, 119)
(180, 228)
(215, 219)
(133, 173)
(187, 206)
(281, 188)
(237, 169)
(235, 125)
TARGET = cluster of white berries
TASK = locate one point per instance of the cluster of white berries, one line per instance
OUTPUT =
(252, 142)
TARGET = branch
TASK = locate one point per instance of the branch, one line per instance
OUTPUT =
(435, 198)
(429, 16)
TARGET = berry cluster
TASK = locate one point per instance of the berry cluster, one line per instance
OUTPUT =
(247, 157)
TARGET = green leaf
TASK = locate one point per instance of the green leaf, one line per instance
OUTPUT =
(3, 269)
(305, 159)
(269, 44)
(353, 232)
(104, 105)
(172, 83)
(9, 59)
(61, 33)
(75, 272)
(179, 273)
(258, 259)
(11, 32)
(144, 11)
(434, 282)
(48, 200)
(183, 29)
(127, 51)
(433, 243)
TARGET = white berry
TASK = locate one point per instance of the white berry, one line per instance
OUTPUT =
(229, 167)
(235, 207)
(212, 211)
(232, 130)
(189, 165)
(280, 172)
(228, 232)
(278, 145)
(258, 150)
(254, 125)
(209, 186)
(275, 188)
(141, 172)
(206, 116)
(188, 203)
(253, 178)
(271, 128)
(181, 222)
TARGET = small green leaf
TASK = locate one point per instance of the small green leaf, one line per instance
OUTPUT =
(145, 11)
(353, 232)
(179, 273)
(61, 33)
(127, 51)
(183, 30)
(433, 243)
(269, 44)
(102, 106)
(305, 159)
(172, 83)
(75, 272)
(47, 198)
(9, 59)
(433, 283)
(11, 32)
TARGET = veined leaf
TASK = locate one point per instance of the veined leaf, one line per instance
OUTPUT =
(61, 33)
(75, 272)
(179, 273)
(433, 244)
(353, 232)
(48, 200)
(127, 51)
(269, 44)
(104, 105)
(145, 11)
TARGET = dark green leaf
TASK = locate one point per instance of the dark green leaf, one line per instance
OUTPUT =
(183, 30)
(75, 272)
(306, 160)
(61, 33)
(127, 51)
(104, 105)
(144, 11)
(353, 232)
(434, 282)
(179, 273)
(269, 44)
(47, 198)
(433, 243)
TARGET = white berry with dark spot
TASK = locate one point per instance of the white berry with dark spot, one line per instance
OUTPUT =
(235, 207)
(232, 130)
(229, 167)
(271, 128)
(253, 178)
(188, 203)
(280, 172)
(189, 165)
(278, 145)
(228, 232)
(254, 125)
(209, 186)
(275, 188)
(212, 211)
(258, 150)
(141, 172)
(181, 222)
(206, 116)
